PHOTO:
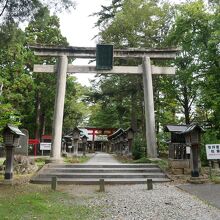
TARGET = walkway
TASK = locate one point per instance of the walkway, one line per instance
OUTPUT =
(102, 158)
(207, 192)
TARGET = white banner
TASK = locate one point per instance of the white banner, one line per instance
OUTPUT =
(45, 146)
(213, 151)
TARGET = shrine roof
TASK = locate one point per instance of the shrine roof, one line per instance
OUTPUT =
(175, 128)
(115, 134)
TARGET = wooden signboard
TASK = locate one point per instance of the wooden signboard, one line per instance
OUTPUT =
(213, 151)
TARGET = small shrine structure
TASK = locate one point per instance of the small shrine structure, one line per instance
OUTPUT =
(184, 148)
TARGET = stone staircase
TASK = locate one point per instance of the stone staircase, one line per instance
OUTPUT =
(92, 173)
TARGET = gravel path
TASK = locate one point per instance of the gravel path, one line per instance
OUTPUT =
(135, 202)
(102, 158)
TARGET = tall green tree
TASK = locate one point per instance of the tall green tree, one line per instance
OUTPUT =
(210, 103)
(16, 83)
(76, 111)
(22, 10)
(190, 32)
(130, 23)
(44, 30)
(196, 30)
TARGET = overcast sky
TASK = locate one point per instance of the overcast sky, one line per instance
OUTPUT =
(79, 29)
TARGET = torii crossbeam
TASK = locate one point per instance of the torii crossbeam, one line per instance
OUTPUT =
(146, 69)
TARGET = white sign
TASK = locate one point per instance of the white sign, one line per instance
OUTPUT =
(45, 146)
(101, 138)
(188, 150)
(213, 151)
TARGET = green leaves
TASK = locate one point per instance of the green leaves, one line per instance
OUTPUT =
(193, 93)
(23, 10)
(138, 24)
(29, 97)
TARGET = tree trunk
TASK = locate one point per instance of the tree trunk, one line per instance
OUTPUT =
(38, 116)
(133, 112)
(186, 105)
(43, 122)
(1, 88)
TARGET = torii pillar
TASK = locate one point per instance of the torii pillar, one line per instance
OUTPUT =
(149, 108)
(58, 110)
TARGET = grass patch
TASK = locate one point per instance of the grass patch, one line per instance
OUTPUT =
(123, 159)
(40, 161)
(43, 204)
(2, 161)
(143, 160)
(216, 180)
(162, 163)
(75, 159)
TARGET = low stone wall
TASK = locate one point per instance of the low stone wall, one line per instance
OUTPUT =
(179, 167)
(22, 165)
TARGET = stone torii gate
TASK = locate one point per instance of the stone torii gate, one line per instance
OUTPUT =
(146, 69)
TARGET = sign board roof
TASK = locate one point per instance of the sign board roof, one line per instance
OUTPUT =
(15, 130)
(175, 128)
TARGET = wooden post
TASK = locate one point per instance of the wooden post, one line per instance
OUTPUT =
(194, 160)
(210, 169)
(9, 162)
(53, 182)
(84, 149)
(102, 185)
(149, 108)
(149, 184)
(58, 110)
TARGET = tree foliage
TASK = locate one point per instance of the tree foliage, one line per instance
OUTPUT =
(193, 94)
(22, 10)
(114, 100)
(139, 24)
(28, 98)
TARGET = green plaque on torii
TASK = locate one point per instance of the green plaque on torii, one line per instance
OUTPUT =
(104, 56)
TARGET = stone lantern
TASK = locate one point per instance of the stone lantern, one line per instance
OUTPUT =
(68, 140)
(121, 142)
(76, 133)
(121, 138)
(113, 145)
(130, 135)
(84, 142)
(75, 140)
(118, 144)
(11, 136)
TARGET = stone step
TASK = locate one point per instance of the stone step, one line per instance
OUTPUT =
(103, 165)
(95, 181)
(103, 175)
(103, 170)
(90, 174)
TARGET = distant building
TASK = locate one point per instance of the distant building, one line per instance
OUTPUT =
(97, 137)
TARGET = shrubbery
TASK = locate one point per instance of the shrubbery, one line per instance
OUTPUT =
(138, 147)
